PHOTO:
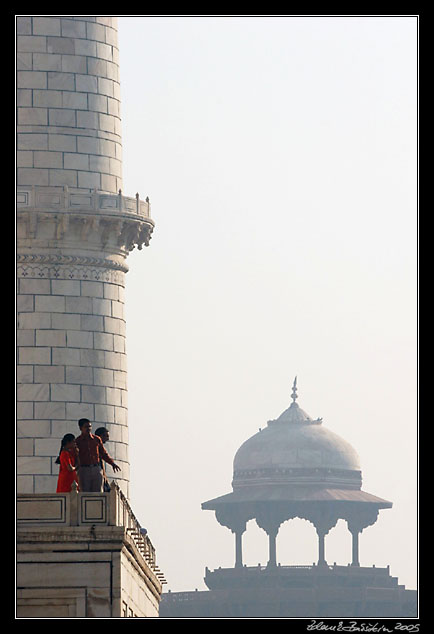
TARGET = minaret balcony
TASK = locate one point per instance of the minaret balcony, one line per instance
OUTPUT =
(50, 217)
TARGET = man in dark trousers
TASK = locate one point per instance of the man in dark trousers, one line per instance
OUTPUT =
(90, 452)
(104, 434)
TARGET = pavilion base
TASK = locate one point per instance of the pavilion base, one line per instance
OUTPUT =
(294, 592)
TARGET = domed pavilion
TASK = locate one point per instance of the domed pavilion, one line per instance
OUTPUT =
(296, 467)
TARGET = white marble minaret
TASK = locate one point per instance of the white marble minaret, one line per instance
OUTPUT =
(75, 229)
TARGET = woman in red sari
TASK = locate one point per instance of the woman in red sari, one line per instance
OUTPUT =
(68, 464)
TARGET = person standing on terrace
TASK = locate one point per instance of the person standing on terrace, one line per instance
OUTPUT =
(68, 461)
(91, 451)
(103, 433)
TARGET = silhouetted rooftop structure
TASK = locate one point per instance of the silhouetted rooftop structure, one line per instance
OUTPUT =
(296, 468)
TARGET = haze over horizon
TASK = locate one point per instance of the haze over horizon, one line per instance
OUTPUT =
(279, 154)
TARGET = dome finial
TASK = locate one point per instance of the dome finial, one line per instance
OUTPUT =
(294, 390)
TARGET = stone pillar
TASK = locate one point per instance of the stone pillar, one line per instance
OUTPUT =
(321, 548)
(270, 519)
(358, 519)
(272, 535)
(74, 232)
(324, 519)
(355, 558)
(236, 522)
(239, 548)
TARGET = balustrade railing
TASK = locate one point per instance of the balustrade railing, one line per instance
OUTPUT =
(63, 199)
(357, 570)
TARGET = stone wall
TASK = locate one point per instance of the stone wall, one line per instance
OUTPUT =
(79, 572)
(137, 600)
(75, 230)
(68, 98)
(71, 364)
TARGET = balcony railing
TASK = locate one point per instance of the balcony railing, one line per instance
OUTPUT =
(63, 199)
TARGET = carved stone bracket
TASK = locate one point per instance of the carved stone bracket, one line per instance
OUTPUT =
(324, 519)
(269, 518)
(358, 519)
(116, 232)
(235, 520)
(62, 226)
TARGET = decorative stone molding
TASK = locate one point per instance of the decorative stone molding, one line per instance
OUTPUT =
(68, 267)
(45, 509)
(70, 260)
(297, 475)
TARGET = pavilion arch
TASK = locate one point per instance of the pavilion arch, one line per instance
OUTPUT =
(297, 542)
(338, 544)
(255, 545)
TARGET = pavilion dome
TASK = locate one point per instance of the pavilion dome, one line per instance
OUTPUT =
(294, 449)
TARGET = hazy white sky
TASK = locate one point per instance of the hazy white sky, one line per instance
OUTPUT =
(279, 155)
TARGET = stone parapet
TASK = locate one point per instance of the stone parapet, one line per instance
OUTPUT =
(95, 542)
(66, 199)
(76, 509)
(299, 576)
